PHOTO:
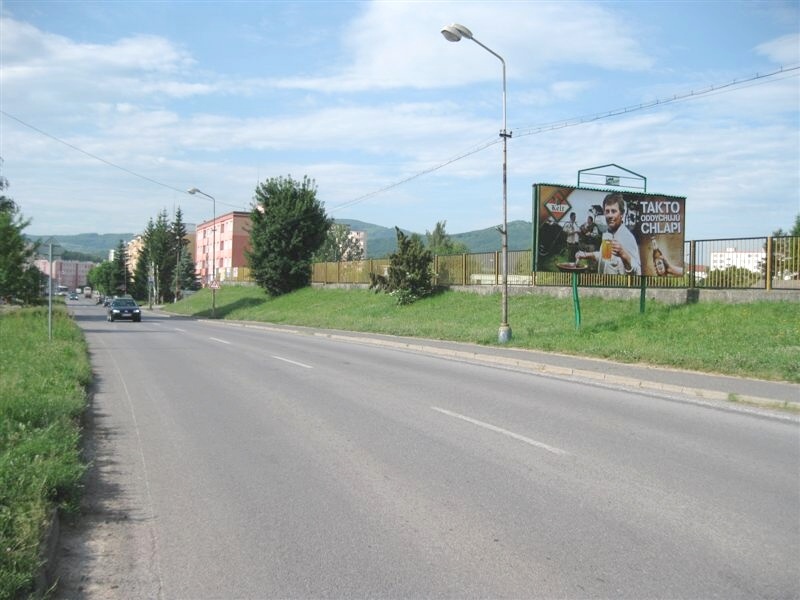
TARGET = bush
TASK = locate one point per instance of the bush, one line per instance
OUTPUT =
(409, 276)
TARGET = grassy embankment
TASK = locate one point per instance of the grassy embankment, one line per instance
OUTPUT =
(42, 395)
(760, 339)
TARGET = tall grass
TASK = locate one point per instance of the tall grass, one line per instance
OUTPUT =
(759, 339)
(42, 394)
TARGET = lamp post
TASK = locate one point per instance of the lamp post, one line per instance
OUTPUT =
(454, 33)
(50, 290)
(179, 242)
(213, 250)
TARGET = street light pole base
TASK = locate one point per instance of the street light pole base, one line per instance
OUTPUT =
(504, 334)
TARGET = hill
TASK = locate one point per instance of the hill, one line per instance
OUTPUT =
(520, 237)
(381, 241)
(96, 245)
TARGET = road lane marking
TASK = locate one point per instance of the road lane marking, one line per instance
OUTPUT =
(181, 330)
(293, 362)
(496, 429)
(220, 341)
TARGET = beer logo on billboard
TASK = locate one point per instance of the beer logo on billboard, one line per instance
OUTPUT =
(558, 208)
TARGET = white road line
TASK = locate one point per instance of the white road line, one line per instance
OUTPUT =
(220, 341)
(511, 434)
(181, 330)
(293, 362)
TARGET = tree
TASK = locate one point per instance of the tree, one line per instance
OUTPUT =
(339, 246)
(103, 277)
(440, 242)
(140, 284)
(288, 224)
(120, 272)
(409, 276)
(785, 253)
(161, 255)
(732, 277)
(18, 277)
(184, 276)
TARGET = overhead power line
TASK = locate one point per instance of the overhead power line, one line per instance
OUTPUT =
(98, 158)
(89, 154)
(735, 84)
(710, 90)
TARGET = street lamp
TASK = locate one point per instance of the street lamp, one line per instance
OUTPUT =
(50, 289)
(454, 33)
(213, 250)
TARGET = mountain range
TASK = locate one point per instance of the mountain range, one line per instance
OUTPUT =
(381, 241)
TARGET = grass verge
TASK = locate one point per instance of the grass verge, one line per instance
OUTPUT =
(759, 339)
(42, 395)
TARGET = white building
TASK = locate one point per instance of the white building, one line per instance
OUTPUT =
(744, 259)
(360, 238)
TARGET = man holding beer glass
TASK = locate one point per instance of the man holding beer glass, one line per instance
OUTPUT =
(619, 253)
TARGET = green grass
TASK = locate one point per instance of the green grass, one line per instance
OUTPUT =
(759, 339)
(42, 395)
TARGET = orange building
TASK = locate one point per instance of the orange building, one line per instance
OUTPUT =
(232, 238)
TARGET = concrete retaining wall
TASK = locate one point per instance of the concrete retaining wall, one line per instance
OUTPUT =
(667, 296)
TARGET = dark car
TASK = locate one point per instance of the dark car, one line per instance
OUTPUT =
(124, 308)
(73, 296)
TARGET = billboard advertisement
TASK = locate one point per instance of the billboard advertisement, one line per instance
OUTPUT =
(608, 232)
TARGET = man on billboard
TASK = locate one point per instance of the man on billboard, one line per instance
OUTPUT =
(573, 233)
(619, 252)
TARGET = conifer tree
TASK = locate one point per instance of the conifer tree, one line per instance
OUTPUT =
(183, 272)
(409, 276)
(121, 272)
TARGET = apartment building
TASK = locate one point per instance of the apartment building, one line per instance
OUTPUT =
(220, 247)
(70, 273)
(731, 257)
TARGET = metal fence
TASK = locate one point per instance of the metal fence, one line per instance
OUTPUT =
(742, 263)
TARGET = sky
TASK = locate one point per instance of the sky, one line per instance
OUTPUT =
(111, 110)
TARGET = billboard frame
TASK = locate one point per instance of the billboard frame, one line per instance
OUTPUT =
(654, 240)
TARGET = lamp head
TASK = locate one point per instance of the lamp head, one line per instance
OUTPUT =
(454, 32)
(192, 191)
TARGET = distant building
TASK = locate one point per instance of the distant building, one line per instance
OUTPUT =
(360, 237)
(73, 274)
(134, 248)
(731, 257)
(232, 240)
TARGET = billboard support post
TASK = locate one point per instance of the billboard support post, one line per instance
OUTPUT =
(642, 293)
(576, 301)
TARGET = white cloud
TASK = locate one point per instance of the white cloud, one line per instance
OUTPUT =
(399, 45)
(784, 50)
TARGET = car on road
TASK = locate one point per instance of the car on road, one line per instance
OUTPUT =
(124, 308)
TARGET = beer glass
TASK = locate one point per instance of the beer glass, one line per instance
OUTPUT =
(605, 247)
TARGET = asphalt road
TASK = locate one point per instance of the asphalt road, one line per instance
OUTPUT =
(235, 462)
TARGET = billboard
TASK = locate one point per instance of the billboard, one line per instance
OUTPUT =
(608, 232)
